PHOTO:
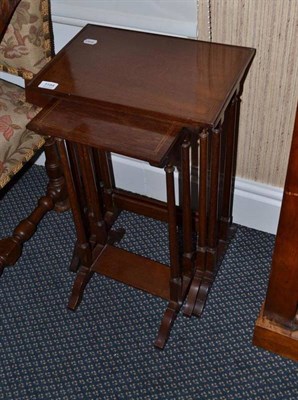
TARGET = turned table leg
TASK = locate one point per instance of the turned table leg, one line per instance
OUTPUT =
(98, 231)
(176, 276)
(188, 251)
(208, 223)
(83, 177)
(212, 234)
(104, 167)
(231, 133)
(201, 225)
(83, 254)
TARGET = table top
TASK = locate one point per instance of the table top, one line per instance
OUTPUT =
(179, 79)
(146, 139)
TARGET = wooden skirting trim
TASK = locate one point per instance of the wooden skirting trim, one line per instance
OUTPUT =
(274, 337)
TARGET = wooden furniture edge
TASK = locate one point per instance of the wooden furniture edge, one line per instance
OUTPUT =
(134, 270)
(273, 337)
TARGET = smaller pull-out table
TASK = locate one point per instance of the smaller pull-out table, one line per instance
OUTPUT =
(85, 136)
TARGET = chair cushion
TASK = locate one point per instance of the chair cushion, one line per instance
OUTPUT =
(27, 44)
(17, 144)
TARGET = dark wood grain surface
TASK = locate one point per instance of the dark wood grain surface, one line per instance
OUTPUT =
(145, 139)
(189, 80)
(282, 296)
(276, 328)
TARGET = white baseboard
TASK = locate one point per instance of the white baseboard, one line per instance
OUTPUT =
(256, 205)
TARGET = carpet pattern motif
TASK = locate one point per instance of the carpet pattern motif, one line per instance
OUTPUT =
(105, 349)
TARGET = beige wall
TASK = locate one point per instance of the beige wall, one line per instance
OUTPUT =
(271, 89)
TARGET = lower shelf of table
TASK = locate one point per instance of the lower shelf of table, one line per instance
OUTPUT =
(134, 270)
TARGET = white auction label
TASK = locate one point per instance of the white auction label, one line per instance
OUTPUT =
(48, 85)
(90, 41)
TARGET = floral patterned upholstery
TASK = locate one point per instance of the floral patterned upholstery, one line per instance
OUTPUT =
(26, 47)
(27, 44)
(17, 144)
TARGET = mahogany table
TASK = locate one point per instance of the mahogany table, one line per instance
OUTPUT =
(136, 78)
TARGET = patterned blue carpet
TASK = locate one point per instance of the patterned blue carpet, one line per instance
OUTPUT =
(105, 349)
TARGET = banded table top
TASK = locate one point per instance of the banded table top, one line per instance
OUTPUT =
(146, 139)
(147, 74)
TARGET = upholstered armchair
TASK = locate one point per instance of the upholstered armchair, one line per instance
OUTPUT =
(26, 46)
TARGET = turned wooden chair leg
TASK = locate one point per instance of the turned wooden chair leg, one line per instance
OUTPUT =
(11, 247)
(55, 175)
(56, 197)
